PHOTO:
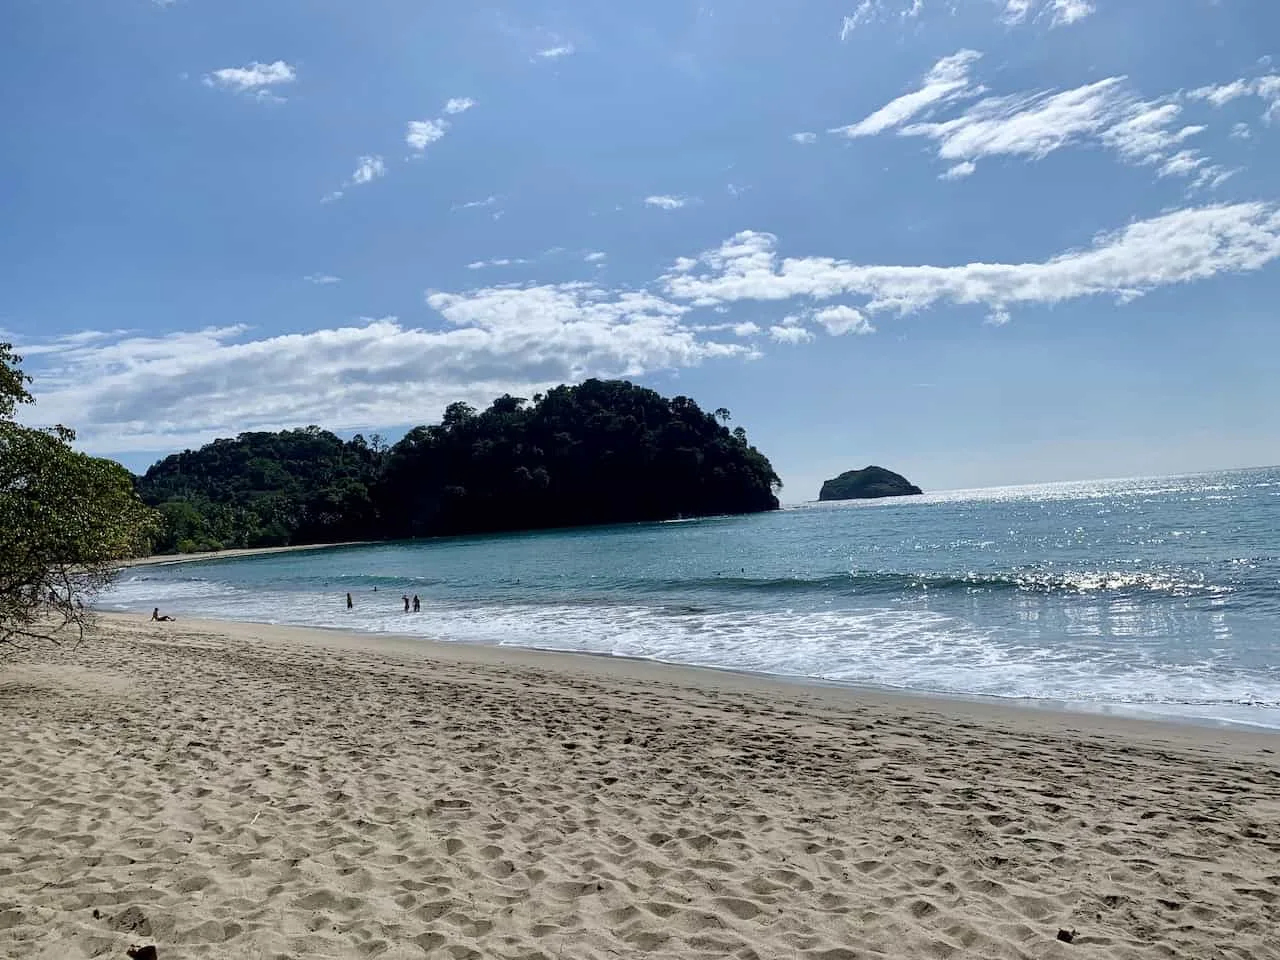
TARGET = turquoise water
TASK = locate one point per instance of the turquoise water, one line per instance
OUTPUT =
(1157, 596)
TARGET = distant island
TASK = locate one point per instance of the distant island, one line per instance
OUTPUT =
(869, 483)
(604, 451)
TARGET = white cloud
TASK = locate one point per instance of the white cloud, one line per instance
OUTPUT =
(805, 137)
(488, 201)
(255, 79)
(1241, 131)
(133, 392)
(1179, 247)
(866, 10)
(665, 202)
(1266, 88)
(840, 320)
(1011, 13)
(1182, 163)
(1067, 12)
(164, 3)
(596, 256)
(556, 52)
(322, 279)
(367, 169)
(1016, 11)
(789, 333)
(419, 134)
(459, 105)
(959, 171)
(1061, 13)
(1033, 125)
(130, 392)
(947, 80)
(497, 262)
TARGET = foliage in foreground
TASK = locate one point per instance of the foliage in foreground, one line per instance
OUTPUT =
(599, 452)
(66, 519)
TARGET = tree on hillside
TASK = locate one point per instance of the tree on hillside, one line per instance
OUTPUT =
(604, 451)
(65, 520)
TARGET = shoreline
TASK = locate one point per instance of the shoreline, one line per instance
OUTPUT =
(1138, 713)
(229, 789)
(165, 559)
(603, 665)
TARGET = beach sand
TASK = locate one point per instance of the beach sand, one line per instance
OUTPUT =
(238, 791)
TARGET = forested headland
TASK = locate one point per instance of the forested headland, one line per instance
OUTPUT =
(599, 452)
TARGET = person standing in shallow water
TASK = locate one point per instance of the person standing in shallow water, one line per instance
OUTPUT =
(405, 598)
(417, 604)
(349, 603)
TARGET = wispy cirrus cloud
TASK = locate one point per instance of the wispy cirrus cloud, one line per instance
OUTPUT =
(322, 279)
(1060, 13)
(1054, 13)
(947, 80)
(1266, 88)
(1107, 112)
(863, 14)
(555, 52)
(1067, 12)
(257, 80)
(804, 137)
(665, 202)
(488, 201)
(498, 262)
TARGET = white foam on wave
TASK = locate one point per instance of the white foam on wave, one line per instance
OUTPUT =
(899, 647)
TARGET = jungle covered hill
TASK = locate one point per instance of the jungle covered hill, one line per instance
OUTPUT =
(604, 451)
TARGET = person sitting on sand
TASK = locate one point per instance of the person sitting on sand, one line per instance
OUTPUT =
(155, 615)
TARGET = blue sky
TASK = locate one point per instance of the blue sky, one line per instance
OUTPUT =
(976, 241)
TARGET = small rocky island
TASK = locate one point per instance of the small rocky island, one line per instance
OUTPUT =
(868, 484)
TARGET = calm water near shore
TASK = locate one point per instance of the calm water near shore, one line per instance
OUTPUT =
(1150, 596)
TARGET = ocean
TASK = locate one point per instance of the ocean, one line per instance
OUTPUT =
(1148, 597)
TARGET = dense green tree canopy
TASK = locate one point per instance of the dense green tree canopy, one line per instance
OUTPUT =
(265, 490)
(65, 521)
(600, 452)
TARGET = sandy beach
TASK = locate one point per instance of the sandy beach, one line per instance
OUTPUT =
(230, 790)
(159, 559)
